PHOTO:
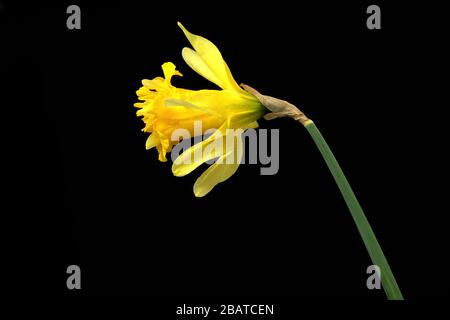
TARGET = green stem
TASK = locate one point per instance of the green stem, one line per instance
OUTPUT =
(373, 247)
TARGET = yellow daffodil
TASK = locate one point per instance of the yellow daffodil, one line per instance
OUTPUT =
(166, 108)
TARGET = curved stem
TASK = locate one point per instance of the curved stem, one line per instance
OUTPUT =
(373, 247)
(281, 108)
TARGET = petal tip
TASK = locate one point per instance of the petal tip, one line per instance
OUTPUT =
(199, 193)
(186, 33)
(181, 26)
(176, 170)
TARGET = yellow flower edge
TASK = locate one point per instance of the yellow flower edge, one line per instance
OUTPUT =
(165, 108)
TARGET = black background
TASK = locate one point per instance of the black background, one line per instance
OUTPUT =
(83, 190)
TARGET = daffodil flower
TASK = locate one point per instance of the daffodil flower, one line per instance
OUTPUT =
(166, 108)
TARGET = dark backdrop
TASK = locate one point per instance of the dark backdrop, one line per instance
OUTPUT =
(83, 190)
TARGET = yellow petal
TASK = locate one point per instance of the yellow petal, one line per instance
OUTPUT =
(169, 70)
(152, 141)
(162, 154)
(188, 161)
(221, 170)
(178, 102)
(145, 94)
(252, 125)
(156, 84)
(208, 61)
(243, 119)
(197, 64)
